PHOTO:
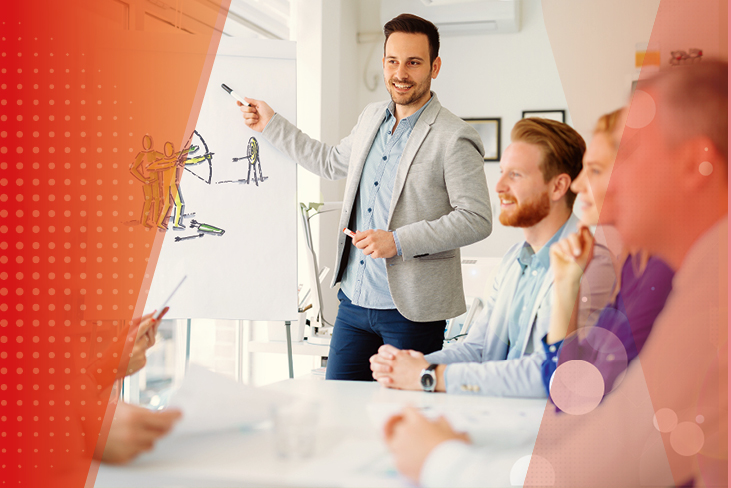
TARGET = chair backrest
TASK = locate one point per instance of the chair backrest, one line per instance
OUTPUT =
(478, 275)
(323, 319)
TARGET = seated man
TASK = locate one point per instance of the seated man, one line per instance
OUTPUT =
(503, 353)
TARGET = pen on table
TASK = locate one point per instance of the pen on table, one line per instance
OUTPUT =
(233, 94)
(348, 232)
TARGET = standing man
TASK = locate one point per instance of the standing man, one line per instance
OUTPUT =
(416, 192)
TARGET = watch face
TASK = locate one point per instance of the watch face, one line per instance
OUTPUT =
(427, 381)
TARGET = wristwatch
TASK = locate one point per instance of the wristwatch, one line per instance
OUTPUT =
(429, 378)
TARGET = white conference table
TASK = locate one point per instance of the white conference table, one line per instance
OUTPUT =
(349, 447)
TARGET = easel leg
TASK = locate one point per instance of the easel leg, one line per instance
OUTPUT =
(287, 326)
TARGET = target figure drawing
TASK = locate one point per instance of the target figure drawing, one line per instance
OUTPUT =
(252, 157)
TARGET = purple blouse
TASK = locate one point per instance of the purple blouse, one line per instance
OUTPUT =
(621, 328)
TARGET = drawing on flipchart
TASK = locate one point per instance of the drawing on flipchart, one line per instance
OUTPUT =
(254, 163)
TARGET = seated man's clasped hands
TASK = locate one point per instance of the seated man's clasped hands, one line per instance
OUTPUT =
(401, 369)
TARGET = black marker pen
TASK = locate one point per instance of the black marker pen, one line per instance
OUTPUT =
(233, 94)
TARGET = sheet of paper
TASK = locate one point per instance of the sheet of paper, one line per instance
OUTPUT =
(212, 402)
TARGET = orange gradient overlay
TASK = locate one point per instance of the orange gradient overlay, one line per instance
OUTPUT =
(75, 104)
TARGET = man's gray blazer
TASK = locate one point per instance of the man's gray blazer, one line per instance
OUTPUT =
(440, 201)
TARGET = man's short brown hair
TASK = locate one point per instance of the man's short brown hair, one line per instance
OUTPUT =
(563, 148)
(412, 24)
(693, 102)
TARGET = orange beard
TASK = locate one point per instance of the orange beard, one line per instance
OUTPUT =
(528, 213)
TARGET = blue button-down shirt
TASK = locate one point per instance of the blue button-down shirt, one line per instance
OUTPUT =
(365, 281)
(535, 265)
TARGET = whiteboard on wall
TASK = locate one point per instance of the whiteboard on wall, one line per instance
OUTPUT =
(236, 240)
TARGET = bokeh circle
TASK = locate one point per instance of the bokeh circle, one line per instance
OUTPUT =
(577, 387)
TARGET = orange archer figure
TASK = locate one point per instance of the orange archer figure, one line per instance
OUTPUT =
(169, 170)
(140, 169)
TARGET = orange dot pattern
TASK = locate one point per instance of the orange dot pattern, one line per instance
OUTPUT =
(75, 263)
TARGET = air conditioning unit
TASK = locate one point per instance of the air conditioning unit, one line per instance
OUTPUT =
(459, 17)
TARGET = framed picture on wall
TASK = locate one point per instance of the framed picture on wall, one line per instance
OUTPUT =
(557, 115)
(489, 130)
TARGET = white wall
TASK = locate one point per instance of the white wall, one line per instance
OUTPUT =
(492, 75)
(594, 45)
(585, 49)
(326, 89)
(325, 31)
(590, 44)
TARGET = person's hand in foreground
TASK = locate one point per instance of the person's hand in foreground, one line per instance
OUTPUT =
(257, 115)
(401, 369)
(376, 243)
(135, 430)
(145, 339)
(411, 437)
(570, 256)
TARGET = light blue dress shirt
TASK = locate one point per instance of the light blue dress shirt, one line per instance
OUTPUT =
(365, 281)
(535, 265)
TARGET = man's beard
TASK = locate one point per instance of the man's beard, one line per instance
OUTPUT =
(527, 214)
(418, 91)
